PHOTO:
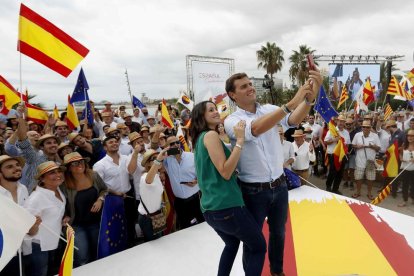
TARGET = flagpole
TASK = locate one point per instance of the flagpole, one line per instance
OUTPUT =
(20, 261)
(57, 235)
(129, 88)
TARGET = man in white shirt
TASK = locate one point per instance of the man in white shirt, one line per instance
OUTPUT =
(181, 171)
(113, 171)
(316, 133)
(366, 144)
(134, 165)
(334, 177)
(261, 165)
(137, 118)
(124, 147)
(288, 151)
(304, 154)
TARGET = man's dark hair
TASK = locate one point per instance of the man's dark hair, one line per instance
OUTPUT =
(230, 82)
(107, 139)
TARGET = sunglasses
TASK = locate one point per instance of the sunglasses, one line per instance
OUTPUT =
(175, 143)
(77, 163)
(366, 127)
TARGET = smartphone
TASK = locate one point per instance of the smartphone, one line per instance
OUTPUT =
(311, 64)
(173, 151)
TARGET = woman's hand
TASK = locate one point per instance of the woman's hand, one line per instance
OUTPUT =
(35, 228)
(239, 131)
(163, 154)
(96, 207)
(65, 220)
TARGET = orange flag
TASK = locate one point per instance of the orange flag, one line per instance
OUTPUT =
(66, 265)
(391, 164)
(165, 116)
(47, 44)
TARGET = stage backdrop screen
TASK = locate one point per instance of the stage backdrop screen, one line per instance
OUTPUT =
(354, 76)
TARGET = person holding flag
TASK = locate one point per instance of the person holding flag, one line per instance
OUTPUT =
(332, 139)
(366, 144)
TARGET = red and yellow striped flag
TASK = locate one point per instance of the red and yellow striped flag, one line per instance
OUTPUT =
(368, 92)
(71, 116)
(36, 114)
(165, 116)
(66, 265)
(388, 111)
(394, 88)
(339, 153)
(47, 44)
(344, 96)
(8, 95)
(382, 195)
(332, 129)
(391, 164)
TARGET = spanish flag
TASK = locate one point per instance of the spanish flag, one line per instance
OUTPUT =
(8, 95)
(36, 114)
(71, 116)
(328, 234)
(391, 164)
(344, 96)
(47, 44)
(67, 260)
(339, 153)
(165, 116)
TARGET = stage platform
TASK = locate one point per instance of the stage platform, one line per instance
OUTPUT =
(326, 234)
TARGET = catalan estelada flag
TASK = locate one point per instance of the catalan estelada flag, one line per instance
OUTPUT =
(8, 95)
(328, 234)
(388, 111)
(44, 42)
(71, 116)
(368, 92)
(344, 96)
(391, 164)
(165, 116)
(394, 88)
(67, 260)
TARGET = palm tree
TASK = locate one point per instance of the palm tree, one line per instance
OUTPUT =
(298, 70)
(270, 57)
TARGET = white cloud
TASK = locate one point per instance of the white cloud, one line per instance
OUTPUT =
(152, 38)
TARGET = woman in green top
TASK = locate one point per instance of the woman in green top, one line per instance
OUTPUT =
(222, 201)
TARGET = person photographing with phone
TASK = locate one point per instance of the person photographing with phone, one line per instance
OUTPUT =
(181, 171)
(261, 162)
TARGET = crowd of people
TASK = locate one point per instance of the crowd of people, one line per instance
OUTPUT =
(232, 177)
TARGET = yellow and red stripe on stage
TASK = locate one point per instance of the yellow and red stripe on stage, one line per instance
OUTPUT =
(46, 43)
(333, 236)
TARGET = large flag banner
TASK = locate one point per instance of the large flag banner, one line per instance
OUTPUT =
(324, 106)
(15, 222)
(391, 164)
(185, 101)
(66, 265)
(80, 93)
(71, 116)
(113, 233)
(137, 103)
(8, 95)
(327, 234)
(44, 42)
(165, 116)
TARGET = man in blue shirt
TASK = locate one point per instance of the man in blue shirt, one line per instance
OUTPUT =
(261, 163)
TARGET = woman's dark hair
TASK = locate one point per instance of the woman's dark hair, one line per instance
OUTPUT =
(63, 116)
(198, 123)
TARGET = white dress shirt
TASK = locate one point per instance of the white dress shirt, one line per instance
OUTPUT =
(288, 151)
(384, 137)
(136, 176)
(302, 156)
(361, 159)
(406, 160)
(151, 194)
(344, 134)
(44, 203)
(124, 147)
(22, 193)
(181, 172)
(260, 159)
(115, 176)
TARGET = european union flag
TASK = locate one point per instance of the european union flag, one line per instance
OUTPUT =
(87, 113)
(324, 106)
(80, 93)
(137, 103)
(338, 72)
(113, 231)
(292, 179)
